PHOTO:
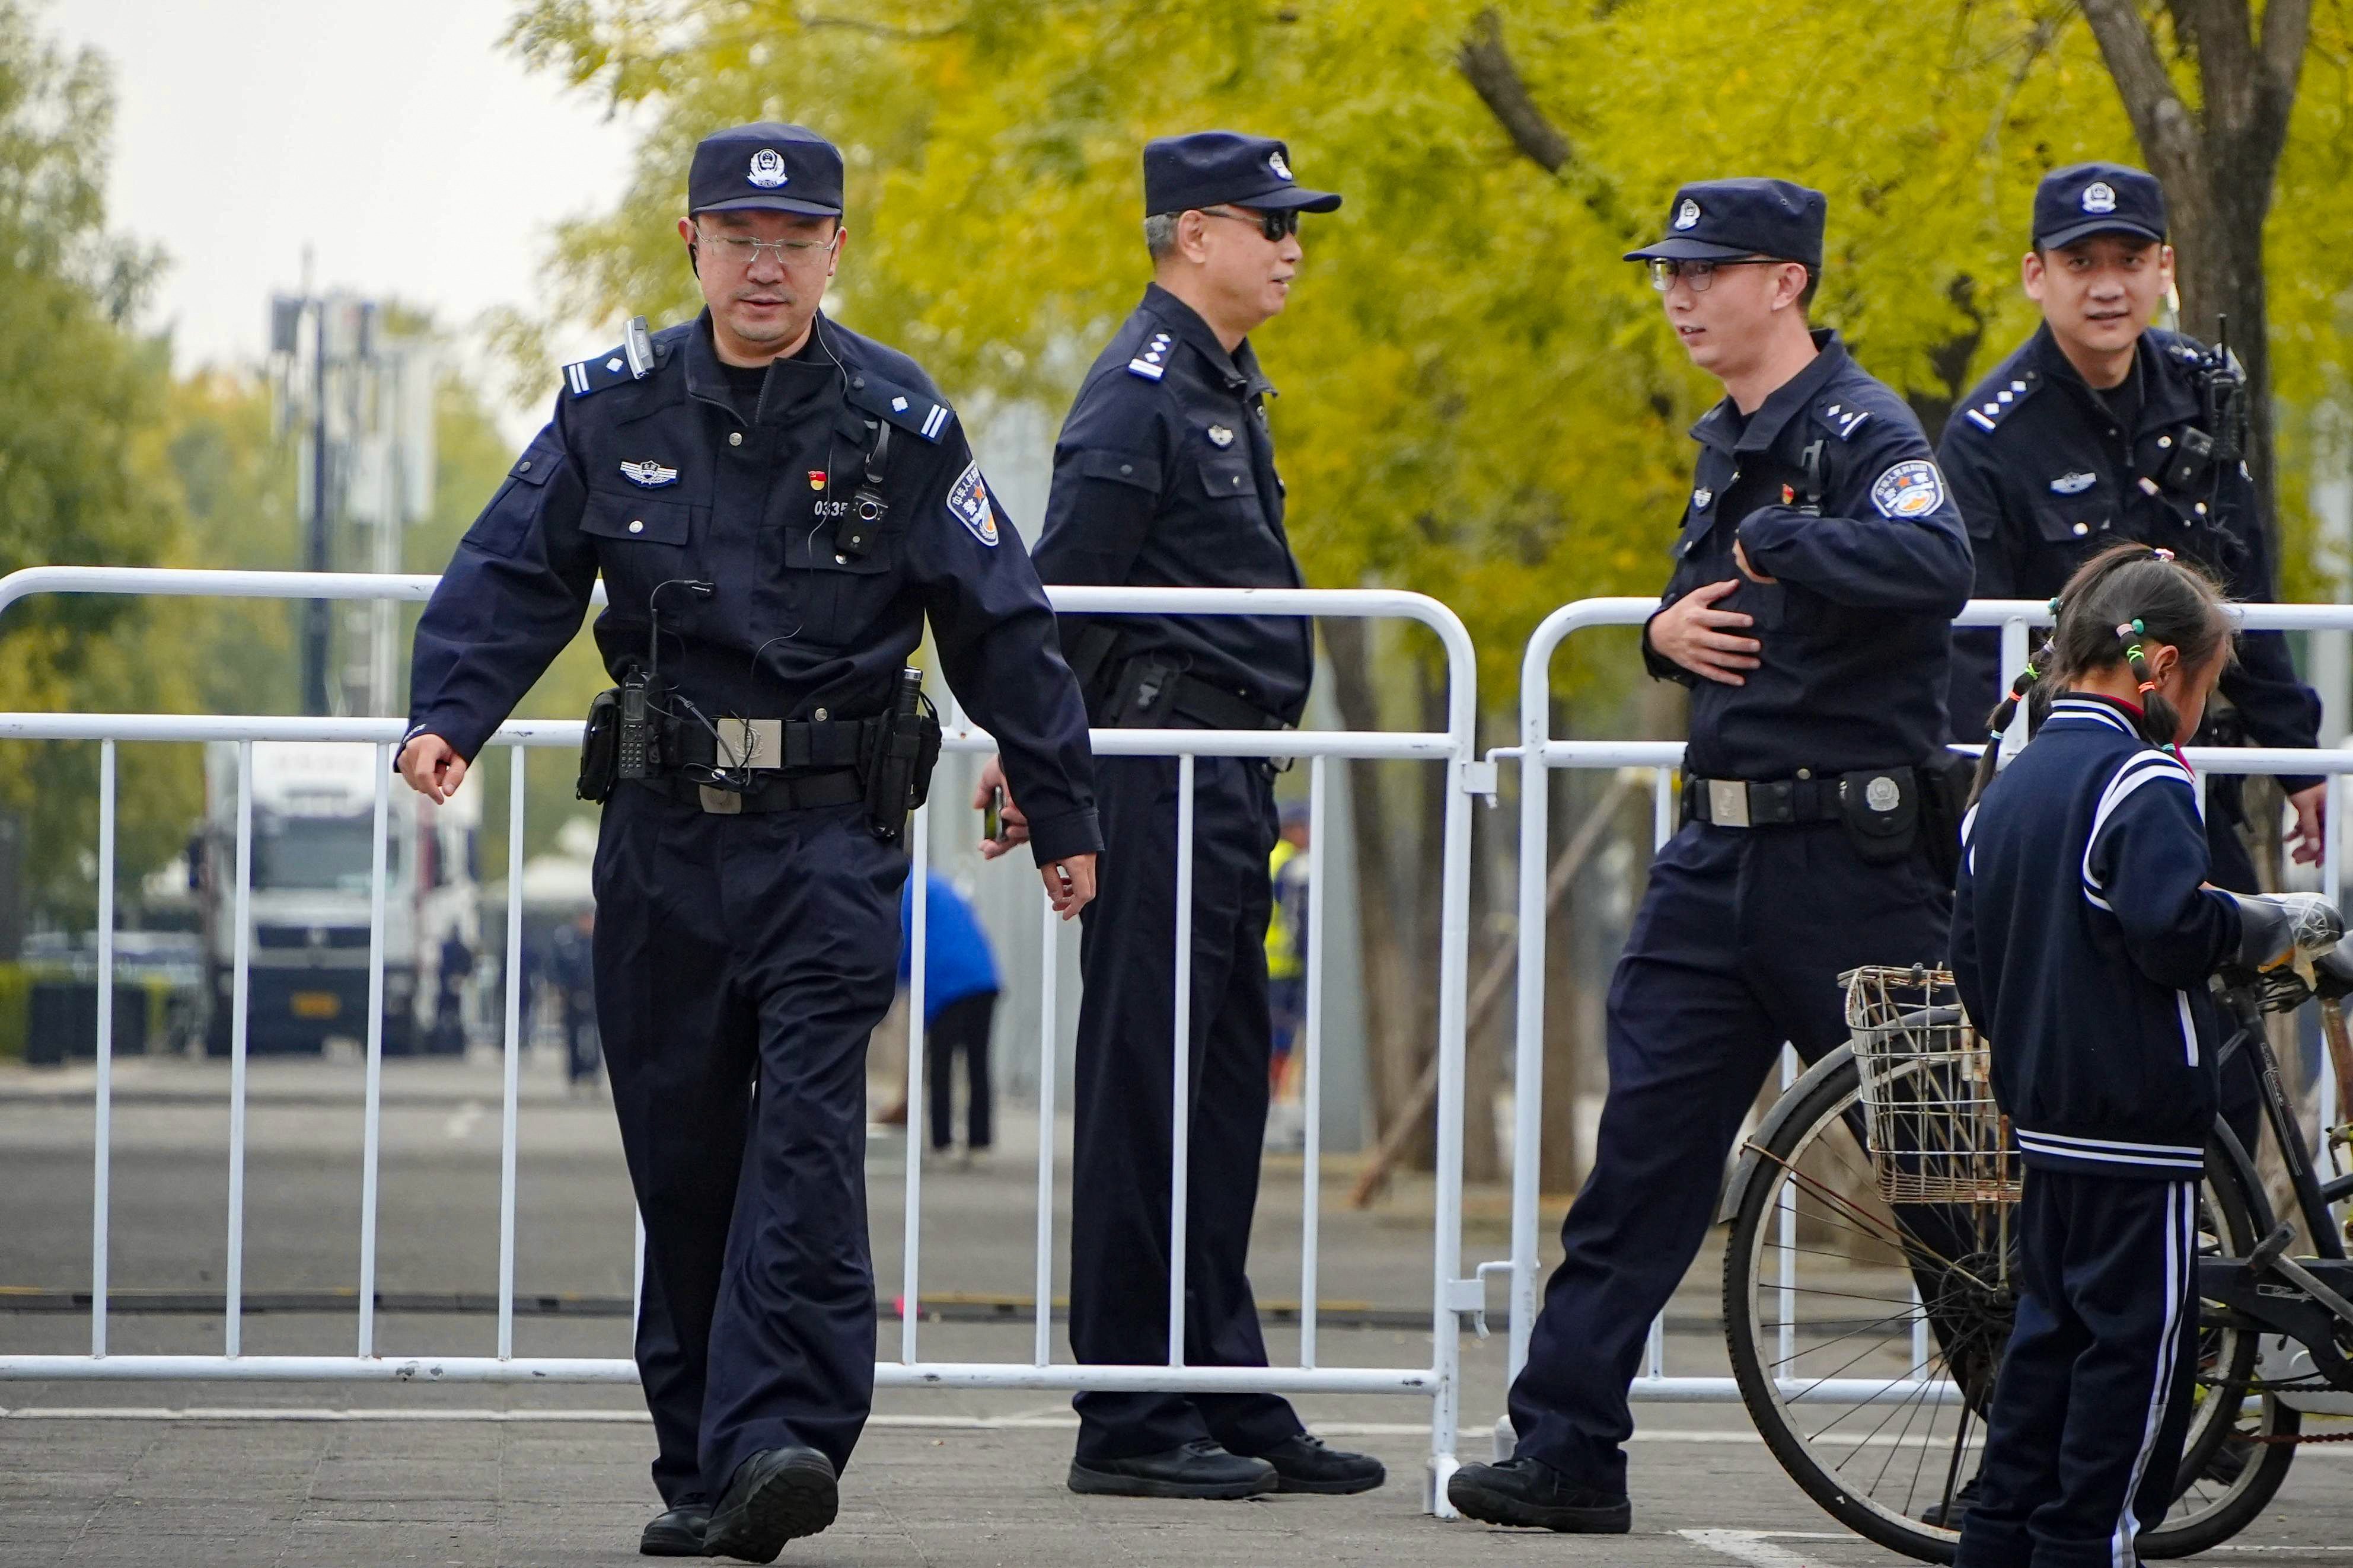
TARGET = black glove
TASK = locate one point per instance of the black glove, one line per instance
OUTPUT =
(2273, 928)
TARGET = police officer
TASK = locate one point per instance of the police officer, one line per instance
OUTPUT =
(748, 884)
(1163, 476)
(2101, 428)
(1819, 564)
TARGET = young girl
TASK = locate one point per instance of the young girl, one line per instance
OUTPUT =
(2083, 937)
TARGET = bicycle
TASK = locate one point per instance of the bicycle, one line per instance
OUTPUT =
(1867, 1286)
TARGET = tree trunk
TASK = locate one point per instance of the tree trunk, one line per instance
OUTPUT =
(1395, 1048)
(2218, 164)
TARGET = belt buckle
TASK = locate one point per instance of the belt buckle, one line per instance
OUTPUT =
(750, 742)
(1727, 802)
(719, 802)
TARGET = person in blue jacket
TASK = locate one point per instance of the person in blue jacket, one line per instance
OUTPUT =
(959, 1006)
(2084, 929)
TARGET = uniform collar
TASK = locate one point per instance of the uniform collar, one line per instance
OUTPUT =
(2166, 400)
(788, 393)
(1238, 370)
(1721, 426)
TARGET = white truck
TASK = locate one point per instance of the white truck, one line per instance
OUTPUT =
(313, 821)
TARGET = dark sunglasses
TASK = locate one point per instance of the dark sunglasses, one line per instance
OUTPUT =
(1275, 223)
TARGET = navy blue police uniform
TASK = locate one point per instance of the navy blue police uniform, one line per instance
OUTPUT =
(1803, 851)
(2083, 938)
(748, 901)
(1165, 477)
(2048, 470)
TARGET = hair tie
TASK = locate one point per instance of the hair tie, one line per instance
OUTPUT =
(2055, 604)
(2157, 551)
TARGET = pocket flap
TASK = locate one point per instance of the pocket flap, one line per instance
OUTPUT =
(1228, 476)
(637, 521)
(2072, 520)
(1120, 469)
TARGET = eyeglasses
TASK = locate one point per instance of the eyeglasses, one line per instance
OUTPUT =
(1700, 275)
(1275, 223)
(743, 251)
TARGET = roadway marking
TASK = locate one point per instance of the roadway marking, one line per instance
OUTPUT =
(1754, 1547)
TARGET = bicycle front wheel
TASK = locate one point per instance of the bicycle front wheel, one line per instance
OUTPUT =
(1866, 1339)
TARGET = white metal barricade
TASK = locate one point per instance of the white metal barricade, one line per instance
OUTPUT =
(1538, 752)
(1451, 1296)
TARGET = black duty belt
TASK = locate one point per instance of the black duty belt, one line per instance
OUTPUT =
(1762, 802)
(766, 745)
(1151, 695)
(769, 792)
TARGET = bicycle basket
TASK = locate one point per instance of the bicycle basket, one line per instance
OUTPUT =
(1935, 1134)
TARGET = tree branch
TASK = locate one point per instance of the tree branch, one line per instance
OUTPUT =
(1487, 66)
(2287, 30)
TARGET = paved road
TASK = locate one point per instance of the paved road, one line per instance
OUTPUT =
(484, 1475)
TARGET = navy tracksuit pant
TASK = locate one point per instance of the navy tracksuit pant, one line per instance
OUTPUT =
(1120, 1191)
(742, 962)
(2093, 1399)
(1738, 947)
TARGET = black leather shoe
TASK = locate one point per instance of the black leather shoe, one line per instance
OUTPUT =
(1938, 1517)
(1530, 1492)
(1198, 1470)
(1303, 1463)
(676, 1533)
(777, 1495)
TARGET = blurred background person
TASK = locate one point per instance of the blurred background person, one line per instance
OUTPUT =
(959, 1009)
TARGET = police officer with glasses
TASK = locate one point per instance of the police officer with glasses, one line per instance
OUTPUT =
(1165, 477)
(776, 504)
(1818, 566)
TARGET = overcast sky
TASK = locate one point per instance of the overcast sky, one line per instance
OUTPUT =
(412, 153)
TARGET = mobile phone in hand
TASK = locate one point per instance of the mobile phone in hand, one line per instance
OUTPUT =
(992, 816)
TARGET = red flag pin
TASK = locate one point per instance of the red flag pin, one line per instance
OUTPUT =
(817, 478)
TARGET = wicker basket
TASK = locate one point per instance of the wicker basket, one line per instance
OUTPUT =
(1936, 1135)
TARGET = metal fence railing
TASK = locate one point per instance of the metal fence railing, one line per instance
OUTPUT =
(1538, 752)
(1451, 1296)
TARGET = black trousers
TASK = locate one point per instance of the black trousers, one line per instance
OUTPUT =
(2093, 1399)
(742, 962)
(959, 1029)
(1738, 947)
(1120, 1190)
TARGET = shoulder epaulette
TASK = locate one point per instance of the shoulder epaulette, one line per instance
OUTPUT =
(1152, 363)
(911, 411)
(1987, 413)
(1842, 415)
(632, 359)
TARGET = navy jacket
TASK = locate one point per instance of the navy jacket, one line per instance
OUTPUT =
(2082, 944)
(2046, 477)
(655, 477)
(1163, 477)
(1855, 629)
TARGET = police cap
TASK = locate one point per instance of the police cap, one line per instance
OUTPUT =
(1716, 220)
(766, 167)
(1210, 168)
(2084, 199)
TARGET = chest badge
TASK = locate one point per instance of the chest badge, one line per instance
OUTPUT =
(649, 474)
(1701, 497)
(817, 479)
(2073, 484)
(1220, 437)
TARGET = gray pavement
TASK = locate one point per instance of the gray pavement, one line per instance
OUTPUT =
(293, 1475)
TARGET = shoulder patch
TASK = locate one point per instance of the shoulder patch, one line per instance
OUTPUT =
(1842, 415)
(968, 504)
(1911, 489)
(1152, 363)
(1992, 406)
(911, 411)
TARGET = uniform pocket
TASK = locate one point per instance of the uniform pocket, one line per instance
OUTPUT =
(1228, 477)
(637, 521)
(507, 521)
(842, 594)
(2073, 521)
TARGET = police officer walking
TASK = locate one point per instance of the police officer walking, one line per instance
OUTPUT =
(756, 763)
(2102, 427)
(1163, 476)
(1818, 565)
